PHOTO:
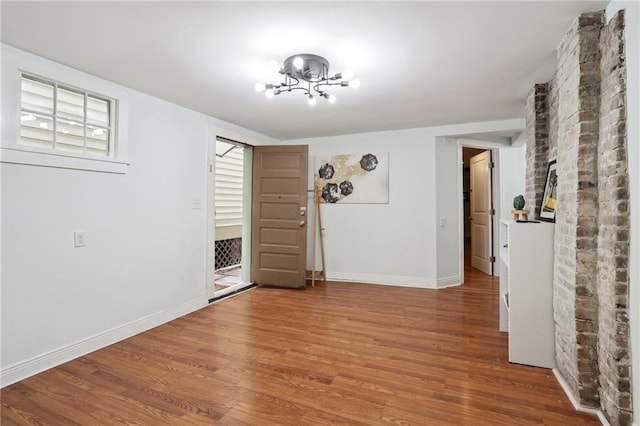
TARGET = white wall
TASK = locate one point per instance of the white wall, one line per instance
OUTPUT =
(448, 201)
(382, 243)
(395, 243)
(632, 52)
(145, 257)
(513, 164)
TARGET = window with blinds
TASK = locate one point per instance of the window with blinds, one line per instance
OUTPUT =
(68, 120)
(229, 181)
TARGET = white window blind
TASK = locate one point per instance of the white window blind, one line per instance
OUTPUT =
(229, 178)
(65, 119)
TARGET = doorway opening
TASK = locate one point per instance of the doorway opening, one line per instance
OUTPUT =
(231, 187)
(479, 210)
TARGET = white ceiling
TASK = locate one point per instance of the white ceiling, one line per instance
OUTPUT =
(420, 63)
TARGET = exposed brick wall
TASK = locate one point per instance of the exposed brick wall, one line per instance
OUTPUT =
(587, 208)
(552, 105)
(564, 273)
(583, 109)
(575, 299)
(537, 119)
(613, 237)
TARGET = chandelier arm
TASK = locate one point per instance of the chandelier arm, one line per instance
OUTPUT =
(339, 83)
(295, 88)
(319, 91)
(292, 78)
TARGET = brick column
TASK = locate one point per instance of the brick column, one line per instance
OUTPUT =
(575, 299)
(537, 131)
(613, 237)
(552, 101)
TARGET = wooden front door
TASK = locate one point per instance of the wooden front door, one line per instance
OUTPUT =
(480, 212)
(279, 215)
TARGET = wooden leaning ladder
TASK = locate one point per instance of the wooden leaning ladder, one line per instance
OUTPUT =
(317, 233)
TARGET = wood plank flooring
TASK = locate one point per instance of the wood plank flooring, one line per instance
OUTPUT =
(345, 354)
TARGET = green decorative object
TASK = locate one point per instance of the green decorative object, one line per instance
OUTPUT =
(518, 202)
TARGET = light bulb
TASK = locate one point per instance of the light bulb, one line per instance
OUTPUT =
(347, 74)
(298, 62)
(330, 98)
(269, 93)
(259, 87)
(354, 83)
(311, 100)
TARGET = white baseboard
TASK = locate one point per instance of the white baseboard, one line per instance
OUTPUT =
(392, 280)
(575, 403)
(449, 281)
(27, 368)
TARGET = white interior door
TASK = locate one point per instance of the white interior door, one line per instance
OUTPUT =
(480, 194)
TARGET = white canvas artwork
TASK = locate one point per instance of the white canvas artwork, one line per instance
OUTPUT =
(353, 178)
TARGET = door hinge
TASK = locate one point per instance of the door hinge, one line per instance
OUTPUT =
(210, 168)
(492, 212)
(492, 259)
(491, 164)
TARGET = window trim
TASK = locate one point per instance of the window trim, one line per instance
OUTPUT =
(15, 63)
(35, 157)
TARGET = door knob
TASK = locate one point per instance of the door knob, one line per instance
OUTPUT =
(301, 223)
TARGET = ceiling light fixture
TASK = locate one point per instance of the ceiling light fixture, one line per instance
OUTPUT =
(309, 73)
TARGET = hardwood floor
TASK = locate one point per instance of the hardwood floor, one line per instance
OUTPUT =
(351, 354)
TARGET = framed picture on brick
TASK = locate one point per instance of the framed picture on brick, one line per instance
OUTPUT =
(549, 197)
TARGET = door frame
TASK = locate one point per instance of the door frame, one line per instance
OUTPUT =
(210, 216)
(210, 211)
(495, 148)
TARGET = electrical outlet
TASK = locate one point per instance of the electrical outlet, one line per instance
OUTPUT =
(79, 239)
(197, 205)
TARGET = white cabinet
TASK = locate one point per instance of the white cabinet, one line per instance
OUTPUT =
(526, 291)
